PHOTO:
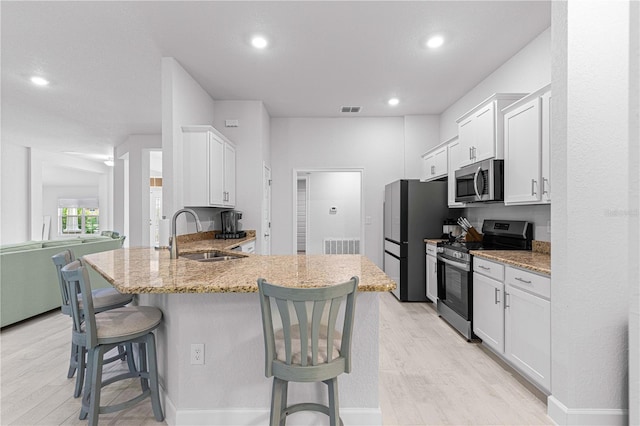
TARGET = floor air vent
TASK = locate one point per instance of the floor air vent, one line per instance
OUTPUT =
(341, 246)
(350, 109)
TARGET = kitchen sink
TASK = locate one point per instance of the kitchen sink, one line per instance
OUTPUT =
(210, 256)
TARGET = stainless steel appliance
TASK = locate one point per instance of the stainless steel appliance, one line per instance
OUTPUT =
(455, 273)
(480, 182)
(230, 225)
(413, 211)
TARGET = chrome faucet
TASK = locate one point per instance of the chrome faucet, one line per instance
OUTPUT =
(173, 242)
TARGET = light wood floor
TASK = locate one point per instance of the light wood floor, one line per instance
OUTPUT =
(429, 375)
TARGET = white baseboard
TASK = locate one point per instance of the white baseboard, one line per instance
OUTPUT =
(564, 416)
(254, 417)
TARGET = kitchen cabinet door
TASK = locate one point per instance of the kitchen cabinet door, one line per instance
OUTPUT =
(528, 334)
(485, 133)
(195, 156)
(488, 311)
(209, 161)
(546, 147)
(522, 138)
(229, 175)
(466, 142)
(432, 278)
(216, 171)
(434, 164)
(453, 158)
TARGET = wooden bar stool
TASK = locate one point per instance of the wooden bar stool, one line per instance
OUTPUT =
(307, 350)
(103, 300)
(101, 332)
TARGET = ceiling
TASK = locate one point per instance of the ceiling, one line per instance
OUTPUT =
(103, 60)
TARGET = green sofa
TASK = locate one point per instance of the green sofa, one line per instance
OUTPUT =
(28, 281)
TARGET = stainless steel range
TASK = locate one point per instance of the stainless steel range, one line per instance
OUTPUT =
(455, 273)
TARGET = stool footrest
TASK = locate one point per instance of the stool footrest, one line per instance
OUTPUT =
(307, 406)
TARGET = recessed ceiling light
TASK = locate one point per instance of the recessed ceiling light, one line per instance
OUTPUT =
(435, 42)
(259, 42)
(394, 101)
(39, 81)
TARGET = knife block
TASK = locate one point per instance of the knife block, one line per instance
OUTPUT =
(473, 235)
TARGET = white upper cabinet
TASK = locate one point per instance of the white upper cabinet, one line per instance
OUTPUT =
(434, 163)
(209, 167)
(480, 130)
(453, 158)
(526, 149)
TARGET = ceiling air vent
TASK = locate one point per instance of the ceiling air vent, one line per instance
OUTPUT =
(350, 109)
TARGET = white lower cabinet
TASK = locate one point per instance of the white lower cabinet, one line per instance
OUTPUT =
(527, 328)
(512, 316)
(432, 273)
(488, 311)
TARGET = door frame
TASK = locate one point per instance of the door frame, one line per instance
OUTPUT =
(294, 200)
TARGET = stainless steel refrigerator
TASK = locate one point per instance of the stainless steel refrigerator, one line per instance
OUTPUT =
(413, 211)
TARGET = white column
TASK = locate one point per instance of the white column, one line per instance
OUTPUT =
(590, 215)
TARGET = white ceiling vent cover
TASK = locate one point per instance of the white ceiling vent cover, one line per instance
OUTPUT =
(350, 109)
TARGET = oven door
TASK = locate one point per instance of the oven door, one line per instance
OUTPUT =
(454, 285)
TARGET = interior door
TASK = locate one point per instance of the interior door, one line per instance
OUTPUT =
(266, 210)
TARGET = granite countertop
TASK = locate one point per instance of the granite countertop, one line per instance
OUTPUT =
(147, 270)
(205, 241)
(434, 240)
(538, 260)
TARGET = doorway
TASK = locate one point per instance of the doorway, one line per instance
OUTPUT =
(155, 197)
(328, 211)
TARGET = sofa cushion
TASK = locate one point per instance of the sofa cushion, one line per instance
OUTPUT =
(29, 245)
(59, 243)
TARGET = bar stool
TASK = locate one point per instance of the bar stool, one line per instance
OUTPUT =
(306, 350)
(101, 332)
(103, 300)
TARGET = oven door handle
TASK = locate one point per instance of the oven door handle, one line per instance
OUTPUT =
(475, 182)
(457, 265)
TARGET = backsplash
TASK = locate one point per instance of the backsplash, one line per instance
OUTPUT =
(538, 215)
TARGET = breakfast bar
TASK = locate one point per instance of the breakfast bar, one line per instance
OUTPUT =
(215, 303)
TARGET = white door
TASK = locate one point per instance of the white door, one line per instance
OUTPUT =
(485, 137)
(155, 212)
(266, 210)
(488, 315)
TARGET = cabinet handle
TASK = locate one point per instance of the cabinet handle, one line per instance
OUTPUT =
(433, 170)
(484, 267)
(470, 153)
(544, 186)
(506, 300)
(496, 299)
(473, 150)
(533, 184)
(522, 280)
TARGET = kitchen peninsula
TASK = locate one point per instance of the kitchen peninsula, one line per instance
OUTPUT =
(216, 304)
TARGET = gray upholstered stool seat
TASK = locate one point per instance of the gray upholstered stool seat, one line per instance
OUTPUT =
(126, 323)
(309, 349)
(103, 299)
(99, 333)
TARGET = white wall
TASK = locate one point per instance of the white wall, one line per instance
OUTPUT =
(634, 206)
(136, 149)
(527, 71)
(590, 281)
(184, 103)
(15, 225)
(373, 144)
(251, 138)
(333, 189)
(22, 188)
(421, 133)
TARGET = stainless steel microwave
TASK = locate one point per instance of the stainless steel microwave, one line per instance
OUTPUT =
(480, 182)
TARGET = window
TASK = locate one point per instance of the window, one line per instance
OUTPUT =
(78, 216)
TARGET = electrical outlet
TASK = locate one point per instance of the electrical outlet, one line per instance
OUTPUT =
(197, 353)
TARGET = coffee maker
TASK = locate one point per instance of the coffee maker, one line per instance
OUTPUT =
(230, 225)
